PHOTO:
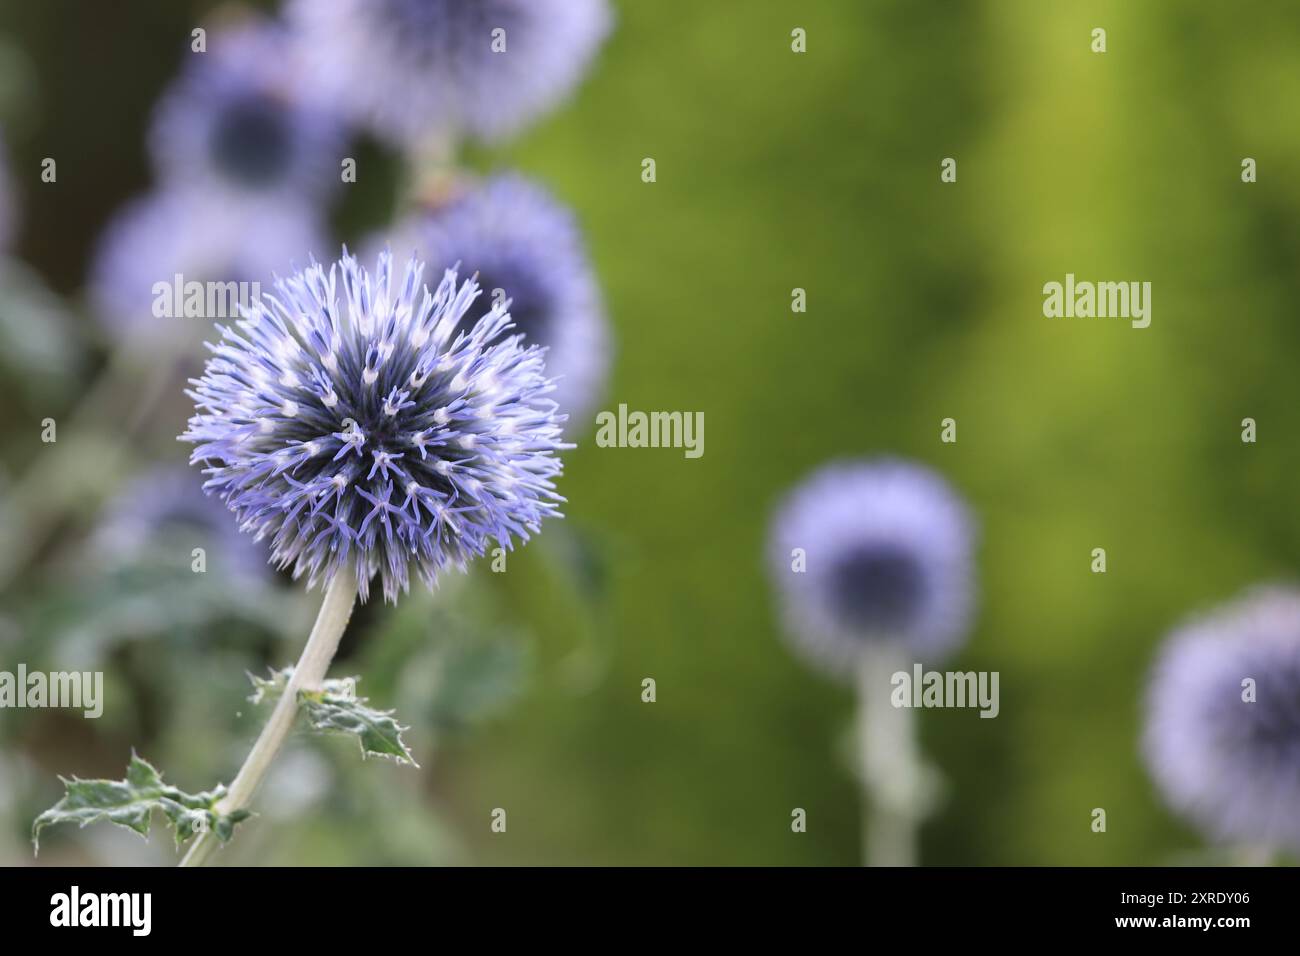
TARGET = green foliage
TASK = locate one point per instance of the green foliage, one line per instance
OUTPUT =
(131, 802)
(473, 679)
(37, 350)
(447, 660)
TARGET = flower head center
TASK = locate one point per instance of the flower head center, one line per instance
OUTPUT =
(251, 141)
(878, 589)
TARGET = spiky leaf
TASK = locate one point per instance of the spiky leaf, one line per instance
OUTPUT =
(336, 708)
(130, 803)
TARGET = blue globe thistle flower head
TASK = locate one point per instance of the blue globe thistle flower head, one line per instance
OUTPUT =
(527, 253)
(415, 69)
(367, 434)
(243, 121)
(199, 237)
(1226, 753)
(885, 548)
(165, 505)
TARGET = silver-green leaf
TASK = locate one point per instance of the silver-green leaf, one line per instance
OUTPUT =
(130, 803)
(336, 708)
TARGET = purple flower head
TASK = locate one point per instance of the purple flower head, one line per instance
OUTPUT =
(418, 68)
(1222, 736)
(199, 237)
(525, 247)
(375, 437)
(886, 551)
(241, 122)
(165, 503)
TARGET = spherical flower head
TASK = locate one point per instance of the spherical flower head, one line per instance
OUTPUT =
(371, 437)
(414, 69)
(872, 551)
(198, 237)
(526, 248)
(243, 122)
(165, 504)
(1224, 752)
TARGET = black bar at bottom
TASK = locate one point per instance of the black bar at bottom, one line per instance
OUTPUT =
(221, 906)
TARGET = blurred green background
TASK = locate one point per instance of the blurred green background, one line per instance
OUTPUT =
(775, 170)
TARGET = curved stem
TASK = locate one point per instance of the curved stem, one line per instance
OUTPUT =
(892, 773)
(336, 609)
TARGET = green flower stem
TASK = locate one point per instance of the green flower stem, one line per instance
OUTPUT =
(309, 673)
(893, 777)
(103, 423)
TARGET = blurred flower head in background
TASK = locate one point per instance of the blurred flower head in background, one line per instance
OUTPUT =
(419, 69)
(201, 238)
(888, 558)
(524, 245)
(166, 503)
(242, 123)
(377, 438)
(1226, 758)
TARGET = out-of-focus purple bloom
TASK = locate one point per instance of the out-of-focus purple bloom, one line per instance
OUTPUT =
(526, 248)
(887, 547)
(414, 69)
(1228, 763)
(372, 437)
(202, 239)
(165, 505)
(242, 122)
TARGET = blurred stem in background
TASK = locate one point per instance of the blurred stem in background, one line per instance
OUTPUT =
(322, 644)
(115, 404)
(430, 173)
(897, 788)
